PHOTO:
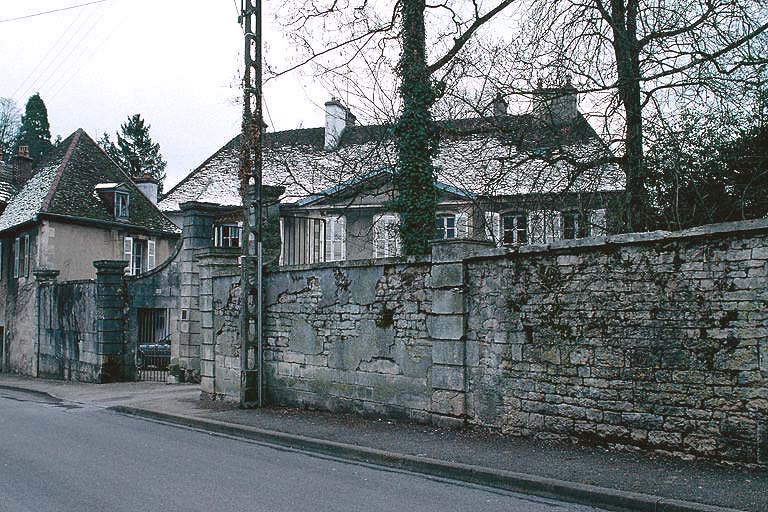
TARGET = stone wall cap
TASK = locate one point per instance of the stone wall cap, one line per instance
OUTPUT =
(117, 265)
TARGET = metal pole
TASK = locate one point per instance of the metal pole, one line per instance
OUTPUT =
(251, 164)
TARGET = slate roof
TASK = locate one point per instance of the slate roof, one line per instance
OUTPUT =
(505, 155)
(64, 187)
(7, 190)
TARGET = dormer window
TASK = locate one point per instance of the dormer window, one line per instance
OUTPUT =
(122, 202)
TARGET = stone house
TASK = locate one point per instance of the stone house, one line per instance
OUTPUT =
(74, 209)
(513, 179)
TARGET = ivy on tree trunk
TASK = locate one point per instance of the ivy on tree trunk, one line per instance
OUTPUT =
(416, 136)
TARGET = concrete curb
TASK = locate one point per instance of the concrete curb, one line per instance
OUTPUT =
(611, 499)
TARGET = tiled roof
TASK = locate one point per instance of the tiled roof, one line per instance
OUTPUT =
(64, 187)
(495, 156)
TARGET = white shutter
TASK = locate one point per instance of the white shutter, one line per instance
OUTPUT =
(16, 256)
(493, 227)
(462, 225)
(339, 239)
(281, 260)
(554, 226)
(386, 236)
(128, 254)
(330, 228)
(379, 237)
(217, 236)
(150, 254)
(26, 255)
(597, 224)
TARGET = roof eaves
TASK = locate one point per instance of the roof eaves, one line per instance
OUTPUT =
(335, 189)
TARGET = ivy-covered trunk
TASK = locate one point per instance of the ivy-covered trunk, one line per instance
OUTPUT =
(416, 136)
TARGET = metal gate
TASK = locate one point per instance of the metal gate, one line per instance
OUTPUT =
(153, 348)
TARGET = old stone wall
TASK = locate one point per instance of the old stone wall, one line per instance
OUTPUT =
(346, 336)
(68, 333)
(657, 341)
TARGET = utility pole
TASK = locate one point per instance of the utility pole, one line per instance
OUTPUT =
(251, 283)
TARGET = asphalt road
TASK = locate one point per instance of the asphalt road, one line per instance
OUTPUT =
(57, 456)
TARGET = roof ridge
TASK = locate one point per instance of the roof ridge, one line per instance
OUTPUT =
(196, 169)
(60, 169)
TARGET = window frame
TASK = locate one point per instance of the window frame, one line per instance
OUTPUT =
(21, 257)
(442, 228)
(565, 229)
(224, 237)
(518, 232)
(122, 198)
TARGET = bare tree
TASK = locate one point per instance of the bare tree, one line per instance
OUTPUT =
(10, 122)
(642, 60)
(363, 38)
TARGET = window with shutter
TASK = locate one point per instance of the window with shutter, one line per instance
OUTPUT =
(128, 254)
(151, 254)
(26, 255)
(335, 237)
(17, 259)
(386, 235)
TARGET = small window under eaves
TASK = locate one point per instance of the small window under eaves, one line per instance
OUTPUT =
(122, 205)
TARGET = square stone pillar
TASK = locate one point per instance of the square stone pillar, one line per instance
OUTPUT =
(446, 324)
(43, 278)
(110, 319)
(196, 233)
(212, 263)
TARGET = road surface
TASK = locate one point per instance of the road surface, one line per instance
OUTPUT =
(56, 456)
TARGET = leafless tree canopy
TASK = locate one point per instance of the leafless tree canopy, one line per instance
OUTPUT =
(10, 122)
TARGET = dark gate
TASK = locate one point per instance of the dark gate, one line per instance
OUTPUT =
(153, 350)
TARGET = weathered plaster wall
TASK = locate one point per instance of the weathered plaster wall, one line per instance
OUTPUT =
(348, 336)
(659, 342)
(72, 248)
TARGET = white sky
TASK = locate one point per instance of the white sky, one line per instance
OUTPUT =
(176, 63)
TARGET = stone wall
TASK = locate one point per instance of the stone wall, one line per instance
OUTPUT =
(657, 341)
(350, 336)
(68, 333)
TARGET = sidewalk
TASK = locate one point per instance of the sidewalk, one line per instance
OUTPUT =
(540, 468)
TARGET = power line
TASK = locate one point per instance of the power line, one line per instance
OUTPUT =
(54, 10)
(40, 62)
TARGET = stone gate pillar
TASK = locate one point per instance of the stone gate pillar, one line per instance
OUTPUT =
(213, 263)
(44, 278)
(110, 320)
(446, 325)
(196, 233)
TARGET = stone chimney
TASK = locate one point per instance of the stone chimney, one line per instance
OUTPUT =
(499, 106)
(337, 119)
(148, 186)
(23, 167)
(556, 105)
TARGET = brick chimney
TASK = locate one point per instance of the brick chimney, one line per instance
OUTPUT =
(337, 119)
(23, 167)
(556, 105)
(148, 186)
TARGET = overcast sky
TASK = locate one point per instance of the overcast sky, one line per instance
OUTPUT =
(176, 63)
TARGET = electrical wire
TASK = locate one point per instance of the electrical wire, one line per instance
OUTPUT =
(54, 10)
(40, 62)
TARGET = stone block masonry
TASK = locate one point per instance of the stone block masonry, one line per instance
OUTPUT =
(656, 341)
(659, 344)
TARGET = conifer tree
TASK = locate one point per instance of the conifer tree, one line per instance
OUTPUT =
(35, 130)
(135, 151)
